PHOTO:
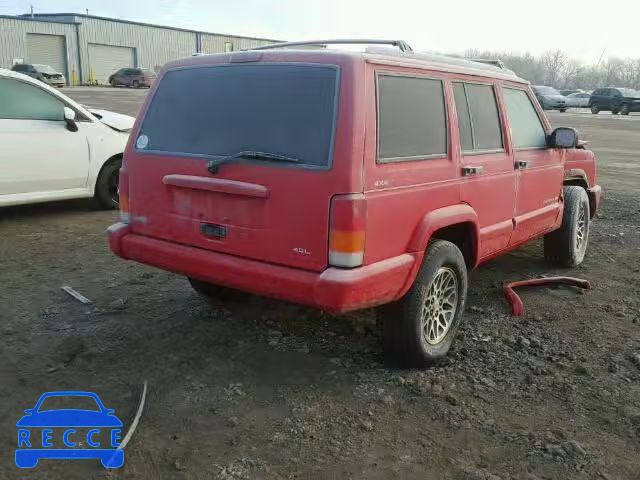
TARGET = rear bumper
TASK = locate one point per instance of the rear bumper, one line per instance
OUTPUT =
(595, 197)
(334, 289)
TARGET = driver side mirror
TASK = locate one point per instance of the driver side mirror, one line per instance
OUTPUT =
(70, 119)
(563, 137)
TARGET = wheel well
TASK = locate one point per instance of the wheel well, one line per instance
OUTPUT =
(462, 235)
(578, 182)
(117, 156)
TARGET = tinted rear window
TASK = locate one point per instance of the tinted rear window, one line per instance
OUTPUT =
(218, 111)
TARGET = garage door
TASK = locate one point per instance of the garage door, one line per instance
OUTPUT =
(48, 50)
(107, 59)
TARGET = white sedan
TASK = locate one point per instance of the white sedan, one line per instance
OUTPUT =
(578, 100)
(52, 148)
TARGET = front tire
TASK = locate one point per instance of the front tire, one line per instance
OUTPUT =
(418, 329)
(135, 84)
(567, 246)
(107, 184)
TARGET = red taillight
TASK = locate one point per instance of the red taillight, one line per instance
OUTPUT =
(123, 195)
(347, 229)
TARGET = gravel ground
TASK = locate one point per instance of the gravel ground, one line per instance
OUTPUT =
(255, 388)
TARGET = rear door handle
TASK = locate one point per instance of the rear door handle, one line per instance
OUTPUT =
(471, 171)
(520, 164)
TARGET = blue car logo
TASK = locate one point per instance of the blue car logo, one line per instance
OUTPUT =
(36, 432)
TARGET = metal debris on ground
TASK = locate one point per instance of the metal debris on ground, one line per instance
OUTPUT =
(78, 296)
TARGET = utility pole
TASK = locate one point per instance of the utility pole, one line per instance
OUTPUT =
(31, 10)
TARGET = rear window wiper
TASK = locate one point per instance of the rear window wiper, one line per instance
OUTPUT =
(253, 155)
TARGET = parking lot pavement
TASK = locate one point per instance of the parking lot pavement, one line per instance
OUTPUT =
(118, 99)
(254, 388)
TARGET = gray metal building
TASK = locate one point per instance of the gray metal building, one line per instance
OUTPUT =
(88, 48)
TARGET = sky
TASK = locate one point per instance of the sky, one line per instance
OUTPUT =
(451, 26)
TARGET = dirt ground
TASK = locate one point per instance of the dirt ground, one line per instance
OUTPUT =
(255, 388)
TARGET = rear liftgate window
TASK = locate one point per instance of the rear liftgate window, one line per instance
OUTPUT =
(222, 110)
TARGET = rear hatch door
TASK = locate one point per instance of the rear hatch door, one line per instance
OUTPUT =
(270, 129)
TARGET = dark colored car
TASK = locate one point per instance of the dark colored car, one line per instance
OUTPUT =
(132, 77)
(550, 98)
(44, 73)
(615, 100)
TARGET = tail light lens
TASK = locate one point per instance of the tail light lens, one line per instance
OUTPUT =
(347, 229)
(123, 196)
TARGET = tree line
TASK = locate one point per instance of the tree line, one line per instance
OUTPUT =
(555, 68)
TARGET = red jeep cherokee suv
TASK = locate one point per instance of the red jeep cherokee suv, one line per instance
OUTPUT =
(346, 180)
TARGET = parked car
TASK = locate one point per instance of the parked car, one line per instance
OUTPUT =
(550, 98)
(578, 100)
(566, 93)
(615, 100)
(54, 148)
(44, 73)
(132, 77)
(348, 180)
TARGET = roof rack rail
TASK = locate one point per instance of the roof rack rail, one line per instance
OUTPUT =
(401, 44)
(495, 63)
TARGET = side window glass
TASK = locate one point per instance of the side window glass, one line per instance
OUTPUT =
(479, 115)
(412, 121)
(464, 120)
(526, 128)
(22, 101)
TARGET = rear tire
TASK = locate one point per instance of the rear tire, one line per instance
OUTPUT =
(567, 246)
(624, 109)
(106, 191)
(418, 329)
(212, 292)
(595, 108)
(135, 84)
(562, 110)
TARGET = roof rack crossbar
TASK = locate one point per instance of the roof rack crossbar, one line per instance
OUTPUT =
(401, 44)
(495, 62)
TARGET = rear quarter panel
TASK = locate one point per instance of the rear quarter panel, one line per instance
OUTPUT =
(400, 194)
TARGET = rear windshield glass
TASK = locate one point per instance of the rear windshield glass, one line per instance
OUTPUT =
(223, 110)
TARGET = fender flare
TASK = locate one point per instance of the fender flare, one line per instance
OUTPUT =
(432, 222)
(440, 218)
(576, 174)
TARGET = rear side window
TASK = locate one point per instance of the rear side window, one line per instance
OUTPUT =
(23, 101)
(20, 68)
(478, 118)
(285, 109)
(526, 128)
(412, 121)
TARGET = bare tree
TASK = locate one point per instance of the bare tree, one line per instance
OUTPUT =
(557, 69)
